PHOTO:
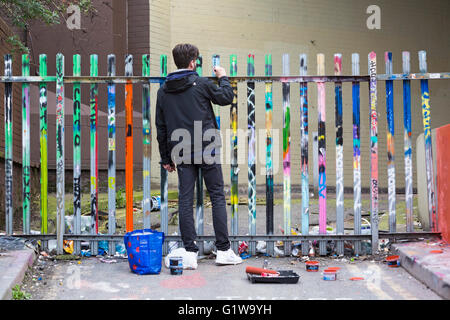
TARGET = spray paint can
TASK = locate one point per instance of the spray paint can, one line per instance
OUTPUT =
(393, 261)
(329, 275)
(243, 247)
(155, 203)
(176, 265)
(312, 266)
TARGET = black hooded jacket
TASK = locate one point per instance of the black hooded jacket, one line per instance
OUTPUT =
(186, 97)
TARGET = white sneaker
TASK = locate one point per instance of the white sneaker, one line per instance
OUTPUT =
(190, 260)
(227, 257)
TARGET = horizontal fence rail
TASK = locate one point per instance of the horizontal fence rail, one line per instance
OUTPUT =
(319, 80)
(140, 79)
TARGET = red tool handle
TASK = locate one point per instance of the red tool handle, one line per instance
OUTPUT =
(255, 270)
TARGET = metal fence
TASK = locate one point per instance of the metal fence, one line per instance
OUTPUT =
(268, 79)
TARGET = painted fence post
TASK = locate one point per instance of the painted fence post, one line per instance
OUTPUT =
(286, 88)
(43, 144)
(390, 142)
(269, 148)
(146, 140)
(322, 153)
(339, 154)
(407, 143)
(199, 225)
(304, 150)
(356, 153)
(129, 143)
(94, 150)
(77, 152)
(111, 71)
(8, 147)
(234, 198)
(60, 169)
(164, 182)
(26, 145)
(216, 62)
(372, 66)
(426, 114)
(251, 151)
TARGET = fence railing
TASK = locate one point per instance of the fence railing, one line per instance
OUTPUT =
(268, 79)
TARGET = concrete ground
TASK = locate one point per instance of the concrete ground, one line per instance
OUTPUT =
(93, 279)
(428, 261)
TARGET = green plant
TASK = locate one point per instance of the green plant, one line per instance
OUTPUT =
(120, 198)
(18, 294)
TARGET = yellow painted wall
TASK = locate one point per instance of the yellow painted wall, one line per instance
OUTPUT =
(311, 27)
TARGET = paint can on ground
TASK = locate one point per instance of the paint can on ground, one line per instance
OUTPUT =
(329, 275)
(312, 266)
(393, 261)
(176, 265)
(155, 203)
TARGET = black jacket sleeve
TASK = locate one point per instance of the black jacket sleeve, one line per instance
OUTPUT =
(221, 95)
(161, 133)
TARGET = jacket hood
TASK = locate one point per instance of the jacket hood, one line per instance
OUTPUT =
(179, 81)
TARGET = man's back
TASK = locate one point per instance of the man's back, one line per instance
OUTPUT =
(184, 99)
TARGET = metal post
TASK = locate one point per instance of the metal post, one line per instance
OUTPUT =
(407, 143)
(60, 170)
(94, 151)
(77, 152)
(129, 143)
(390, 142)
(26, 145)
(234, 198)
(43, 145)
(146, 141)
(112, 153)
(269, 147)
(286, 153)
(372, 66)
(8, 148)
(251, 151)
(356, 154)
(322, 153)
(216, 62)
(339, 154)
(426, 114)
(304, 151)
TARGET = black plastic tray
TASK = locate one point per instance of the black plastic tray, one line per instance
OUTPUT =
(286, 276)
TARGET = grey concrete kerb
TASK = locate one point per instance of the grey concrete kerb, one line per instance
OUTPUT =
(428, 262)
(13, 266)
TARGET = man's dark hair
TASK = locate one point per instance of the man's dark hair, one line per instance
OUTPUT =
(184, 53)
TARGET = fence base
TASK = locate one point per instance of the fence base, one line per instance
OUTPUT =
(270, 239)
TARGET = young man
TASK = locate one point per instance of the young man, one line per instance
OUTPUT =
(183, 109)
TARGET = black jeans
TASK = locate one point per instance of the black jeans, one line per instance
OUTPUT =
(212, 175)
